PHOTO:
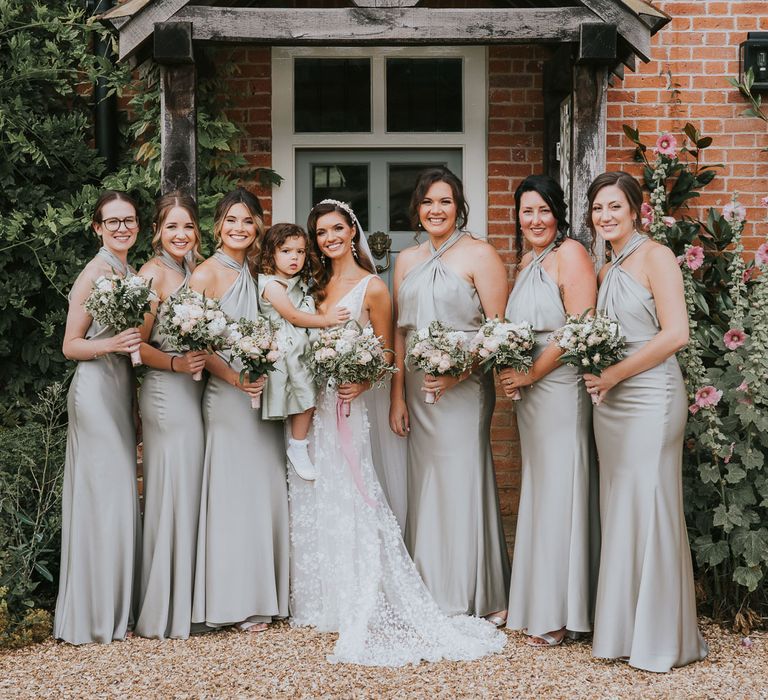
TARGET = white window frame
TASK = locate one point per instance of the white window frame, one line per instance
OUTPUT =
(472, 140)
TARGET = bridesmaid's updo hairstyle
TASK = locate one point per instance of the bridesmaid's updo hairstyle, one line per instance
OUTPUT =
(426, 179)
(323, 275)
(550, 191)
(626, 183)
(252, 204)
(163, 206)
(274, 238)
(112, 196)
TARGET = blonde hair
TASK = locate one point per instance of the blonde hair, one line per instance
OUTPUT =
(163, 208)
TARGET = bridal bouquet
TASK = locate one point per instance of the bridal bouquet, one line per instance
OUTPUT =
(349, 354)
(121, 303)
(590, 343)
(256, 345)
(501, 344)
(191, 321)
(439, 349)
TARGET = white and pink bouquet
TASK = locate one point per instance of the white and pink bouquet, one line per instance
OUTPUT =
(256, 345)
(121, 303)
(439, 349)
(349, 354)
(503, 344)
(192, 322)
(590, 343)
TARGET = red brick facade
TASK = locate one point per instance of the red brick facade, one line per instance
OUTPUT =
(685, 81)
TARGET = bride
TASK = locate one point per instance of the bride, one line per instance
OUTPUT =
(350, 571)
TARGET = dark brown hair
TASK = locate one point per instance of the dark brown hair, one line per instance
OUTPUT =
(550, 191)
(626, 183)
(275, 237)
(163, 206)
(324, 275)
(111, 196)
(252, 204)
(426, 179)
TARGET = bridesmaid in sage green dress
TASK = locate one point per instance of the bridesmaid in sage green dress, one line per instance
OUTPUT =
(100, 527)
(646, 606)
(554, 568)
(241, 572)
(172, 428)
(453, 526)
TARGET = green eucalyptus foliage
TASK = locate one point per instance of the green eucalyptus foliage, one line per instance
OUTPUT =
(725, 469)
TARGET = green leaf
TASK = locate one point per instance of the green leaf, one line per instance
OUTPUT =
(749, 577)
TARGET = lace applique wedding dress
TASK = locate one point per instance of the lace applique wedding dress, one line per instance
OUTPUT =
(350, 571)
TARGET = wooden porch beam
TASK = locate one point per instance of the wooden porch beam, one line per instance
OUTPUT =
(178, 128)
(634, 31)
(588, 144)
(360, 26)
(140, 27)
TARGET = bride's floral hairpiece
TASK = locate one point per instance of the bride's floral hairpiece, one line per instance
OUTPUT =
(344, 206)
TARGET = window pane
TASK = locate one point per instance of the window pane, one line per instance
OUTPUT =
(402, 181)
(332, 94)
(347, 183)
(424, 94)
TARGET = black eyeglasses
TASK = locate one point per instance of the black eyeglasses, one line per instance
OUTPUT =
(113, 223)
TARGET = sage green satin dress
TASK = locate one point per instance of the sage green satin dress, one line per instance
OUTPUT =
(241, 571)
(174, 443)
(100, 526)
(290, 387)
(646, 606)
(557, 542)
(453, 527)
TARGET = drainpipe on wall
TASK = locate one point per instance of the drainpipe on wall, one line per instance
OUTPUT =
(105, 116)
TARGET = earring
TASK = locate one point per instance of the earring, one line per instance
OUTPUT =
(354, 250)
(322, 259)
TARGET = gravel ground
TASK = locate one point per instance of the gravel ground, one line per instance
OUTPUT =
(290, 663)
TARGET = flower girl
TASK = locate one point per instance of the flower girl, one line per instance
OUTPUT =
(286, 266)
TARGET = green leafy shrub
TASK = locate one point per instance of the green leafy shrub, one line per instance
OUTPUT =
(726, 370)
(31, 469)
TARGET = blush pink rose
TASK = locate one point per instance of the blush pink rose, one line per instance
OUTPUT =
(666, 145)
(734, 338)
(694, 257)
(708, 396)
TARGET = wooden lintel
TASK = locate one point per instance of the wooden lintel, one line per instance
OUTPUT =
(178, 137)
(359, 26)
(630, 26)
(589, 116)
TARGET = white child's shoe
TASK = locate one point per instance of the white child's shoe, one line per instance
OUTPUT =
(298, 456)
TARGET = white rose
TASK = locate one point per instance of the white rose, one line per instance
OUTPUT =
(365, 357)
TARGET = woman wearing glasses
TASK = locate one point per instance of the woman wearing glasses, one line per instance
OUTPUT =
(100, 530)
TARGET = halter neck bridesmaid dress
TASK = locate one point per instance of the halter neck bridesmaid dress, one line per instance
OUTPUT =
(554, 568)
(453, 528)
(174, 442)
(100, 525)
(241, 572)
(646, 606)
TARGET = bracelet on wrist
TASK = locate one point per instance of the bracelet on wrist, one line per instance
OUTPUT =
(173, 357)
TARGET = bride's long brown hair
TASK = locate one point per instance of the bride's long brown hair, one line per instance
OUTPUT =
(323, 276)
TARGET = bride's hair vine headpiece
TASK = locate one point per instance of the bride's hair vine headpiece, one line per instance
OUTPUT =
(366, 249)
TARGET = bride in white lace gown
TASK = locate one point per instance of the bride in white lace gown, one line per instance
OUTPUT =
(350, 571)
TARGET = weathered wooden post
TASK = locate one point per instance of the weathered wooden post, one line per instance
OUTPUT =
(178, 102)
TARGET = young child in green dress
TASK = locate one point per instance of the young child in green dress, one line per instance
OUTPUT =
(286, 266)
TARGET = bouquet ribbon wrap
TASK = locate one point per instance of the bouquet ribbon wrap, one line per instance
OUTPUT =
(348, 450)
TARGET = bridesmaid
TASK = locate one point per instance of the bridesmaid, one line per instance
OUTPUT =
(554, 565)
(100, 530)
(241, 574)
(172, 426)
(646, 607)
(453, 527)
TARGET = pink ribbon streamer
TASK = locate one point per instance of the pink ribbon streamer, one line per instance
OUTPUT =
(353, 460)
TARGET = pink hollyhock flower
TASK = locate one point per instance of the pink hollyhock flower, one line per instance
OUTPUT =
(734, 338)
(694, 257)
(708, 396)
(764, 201)
(734, 212)
(646, 214)
(669, 221)
(743, 387)
(693, 409)
(761, 256)
(666, 145)
(748, 274)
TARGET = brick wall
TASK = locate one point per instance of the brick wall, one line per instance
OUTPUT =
(686, 82)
